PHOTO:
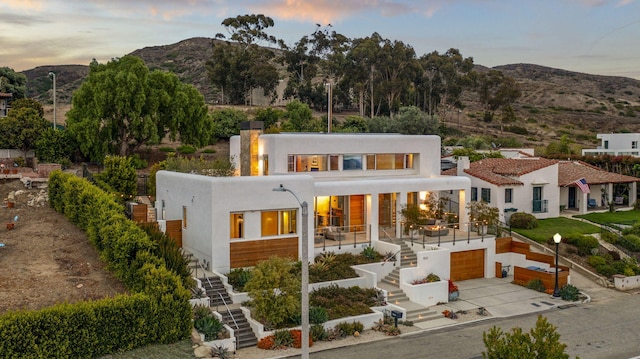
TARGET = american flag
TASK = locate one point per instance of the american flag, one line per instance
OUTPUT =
(582, 183)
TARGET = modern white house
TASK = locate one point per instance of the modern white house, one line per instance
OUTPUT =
(355, 186)
(615, 144)
(544, 187)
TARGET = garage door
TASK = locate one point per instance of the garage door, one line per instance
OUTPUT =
(467, 265)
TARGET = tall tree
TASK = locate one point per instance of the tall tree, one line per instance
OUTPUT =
(361, 70)
(122, 106)
(397, 65)
(242, 66)
(497, 91)
(22, 128)
(13, 82)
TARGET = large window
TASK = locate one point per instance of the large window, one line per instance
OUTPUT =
(486, 195)
(508, 195)
(278, 222)
(351, 162)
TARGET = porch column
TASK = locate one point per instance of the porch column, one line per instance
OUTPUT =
(582, 206)
(401, 202)
(633, 193)
(372, 216)
(463, 215)
(609, 193)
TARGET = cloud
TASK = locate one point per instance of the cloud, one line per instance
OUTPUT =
(331, 11)
(23, 4)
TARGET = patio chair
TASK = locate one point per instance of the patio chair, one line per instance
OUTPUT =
(592, 203)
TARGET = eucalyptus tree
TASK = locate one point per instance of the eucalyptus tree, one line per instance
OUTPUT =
(240, 65)
(397, 65)
(497, 91)
(122, 106)
(442, 80)
(361, 72)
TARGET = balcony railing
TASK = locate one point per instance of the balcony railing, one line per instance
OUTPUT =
(340, 236)
(540, 206)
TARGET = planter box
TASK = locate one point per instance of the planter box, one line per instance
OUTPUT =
(206, 301)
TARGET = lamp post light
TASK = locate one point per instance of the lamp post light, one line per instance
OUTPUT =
(556, 239)
(305, 271)
(53, 77)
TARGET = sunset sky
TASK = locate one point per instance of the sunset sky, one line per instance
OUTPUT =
(592, 36)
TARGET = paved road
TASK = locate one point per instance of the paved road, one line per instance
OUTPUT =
(604, 329)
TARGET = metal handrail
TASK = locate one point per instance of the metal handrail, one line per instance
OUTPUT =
(219, 294)
(386, 259)
(228, 310)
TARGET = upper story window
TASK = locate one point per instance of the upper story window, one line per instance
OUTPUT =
(474, 193)
(486, 195)
(634, 144)
(369, 162)
(606, 144)
(508, 195)
(351, 162)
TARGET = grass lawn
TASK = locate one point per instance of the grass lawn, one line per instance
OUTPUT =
(626, 217)
(181, 349)
(548, 227)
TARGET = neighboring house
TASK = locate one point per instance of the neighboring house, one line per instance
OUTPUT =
(514, 185)
(603, 187)
(616, 144)
(355, 186)
(4, 103)
(543, 187)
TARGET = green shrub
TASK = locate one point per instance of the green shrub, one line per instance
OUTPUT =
(186, 149)
(523, 220)
(210, 326)
(343, 302)
(282, 338)
(536, 284)
(137, 162)
(596, 261)
(318, 332)
(238, 277)
(630, 242)
(167, 149)
(318, 315)
(370, 253)
(606, 270)
(609, 237)
(349, 328)
(569, 292)
(209, 150)
(586, 244)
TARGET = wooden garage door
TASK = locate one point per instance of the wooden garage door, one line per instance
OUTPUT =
(467, 265)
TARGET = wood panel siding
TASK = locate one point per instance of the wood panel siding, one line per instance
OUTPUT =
(174, 230)
(503, 245)
(467, 265)
(524, 275)
(139, 213)
(249, 253)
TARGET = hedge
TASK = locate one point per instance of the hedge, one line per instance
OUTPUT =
(157, 311)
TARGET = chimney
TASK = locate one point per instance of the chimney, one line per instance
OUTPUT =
(463, 164)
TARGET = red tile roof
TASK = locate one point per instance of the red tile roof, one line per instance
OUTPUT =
(571, 171)
(506, 171)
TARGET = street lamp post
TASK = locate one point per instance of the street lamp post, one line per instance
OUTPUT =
(53, 77)
(305, 271)
(556, 239)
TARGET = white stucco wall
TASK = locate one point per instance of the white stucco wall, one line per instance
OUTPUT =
(210, 200)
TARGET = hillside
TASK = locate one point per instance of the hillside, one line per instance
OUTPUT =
(554, 102)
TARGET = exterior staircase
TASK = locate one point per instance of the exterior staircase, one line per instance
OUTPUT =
(415, 312)
(245, 337)
(216, 291)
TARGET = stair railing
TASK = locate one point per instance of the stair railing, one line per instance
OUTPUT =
(394, 255)
(203, 272)
(228, 310)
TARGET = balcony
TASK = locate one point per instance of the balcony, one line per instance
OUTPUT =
(540, 206)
